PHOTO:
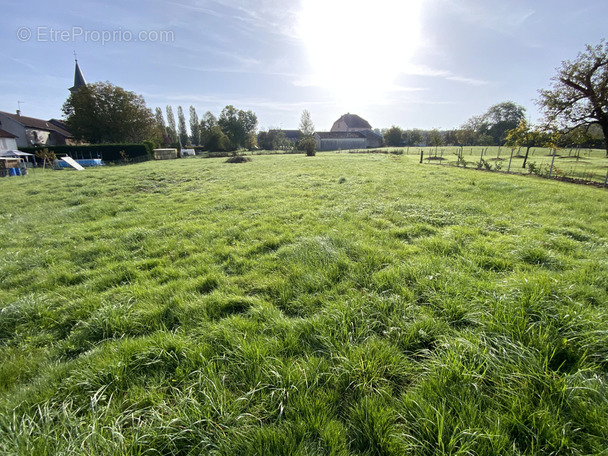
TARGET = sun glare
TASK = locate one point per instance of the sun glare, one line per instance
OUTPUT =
(358, 48)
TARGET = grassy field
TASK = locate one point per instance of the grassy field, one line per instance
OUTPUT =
(580, 164)
(334, 305)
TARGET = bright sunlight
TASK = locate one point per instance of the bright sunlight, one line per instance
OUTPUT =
(358, 48)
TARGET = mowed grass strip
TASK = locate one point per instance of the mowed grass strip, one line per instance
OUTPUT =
(339, 304)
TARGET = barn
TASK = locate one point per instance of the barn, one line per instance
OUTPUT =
(348, 132)
(350, 122)
(335, 140)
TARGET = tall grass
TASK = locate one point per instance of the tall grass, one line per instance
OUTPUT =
(346, 304)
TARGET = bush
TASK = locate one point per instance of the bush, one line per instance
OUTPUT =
(533, 169)
(309, 145)
(150, 146)
(107, 152)
(238, 159)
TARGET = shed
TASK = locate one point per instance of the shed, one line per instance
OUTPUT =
(165, 154)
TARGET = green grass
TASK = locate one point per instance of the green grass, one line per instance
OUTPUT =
(335, 305)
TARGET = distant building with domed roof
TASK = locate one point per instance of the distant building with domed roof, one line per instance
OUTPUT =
(348, 132)
(351, 122)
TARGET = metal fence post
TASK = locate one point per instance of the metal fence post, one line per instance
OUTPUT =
(510, 159)
(552, 161)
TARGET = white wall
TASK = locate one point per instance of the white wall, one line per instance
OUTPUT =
(8, 144)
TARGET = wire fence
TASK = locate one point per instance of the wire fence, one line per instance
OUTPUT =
(575, 165)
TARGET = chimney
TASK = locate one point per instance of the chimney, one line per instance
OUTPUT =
(18, 112)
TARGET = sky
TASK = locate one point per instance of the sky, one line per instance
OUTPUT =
(410, 63)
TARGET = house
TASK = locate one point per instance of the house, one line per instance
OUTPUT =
(29, 131)
(348, 132)
(293, 136)
(8, 141)
(278, 139)
(21, 131)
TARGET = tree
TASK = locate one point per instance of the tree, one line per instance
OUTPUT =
(171, 128)
(47, 156)
(104, 113)
(237, 125)
(251, 143)
(591, 137)
(207, 123)
(412, 137)
(449, 138)
(281, 142)
(195, 127)
(160, 123)
(264, 140)
(307, 130)
(492, 126)
(466, 137)
(579, 92)
(435, 138)
(501, 118)
(215, 139)
(526, 136)
(181, 127)
(160, 120)
(274, 139)
(393, 137)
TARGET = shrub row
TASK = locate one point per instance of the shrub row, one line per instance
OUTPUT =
(107, 152)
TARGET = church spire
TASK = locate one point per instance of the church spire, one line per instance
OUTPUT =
(78, 77)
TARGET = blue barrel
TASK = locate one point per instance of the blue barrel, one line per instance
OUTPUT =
(11, 172)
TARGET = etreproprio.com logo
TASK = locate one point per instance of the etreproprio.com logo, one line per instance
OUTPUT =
(46, 34)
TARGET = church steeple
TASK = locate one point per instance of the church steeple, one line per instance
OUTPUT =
(78, 77)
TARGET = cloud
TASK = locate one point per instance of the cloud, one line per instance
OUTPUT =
(422, 70)
(25, 63)
(275, 17)
(499, 16)
(215, 102)
(469, 81)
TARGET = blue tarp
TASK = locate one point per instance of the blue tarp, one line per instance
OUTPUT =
(85, 163)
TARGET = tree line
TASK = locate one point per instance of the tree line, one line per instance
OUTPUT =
(575, 109)
(504, 124)
(233, 129)
(103, 113)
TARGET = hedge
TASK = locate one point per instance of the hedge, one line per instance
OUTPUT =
(107, 152)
